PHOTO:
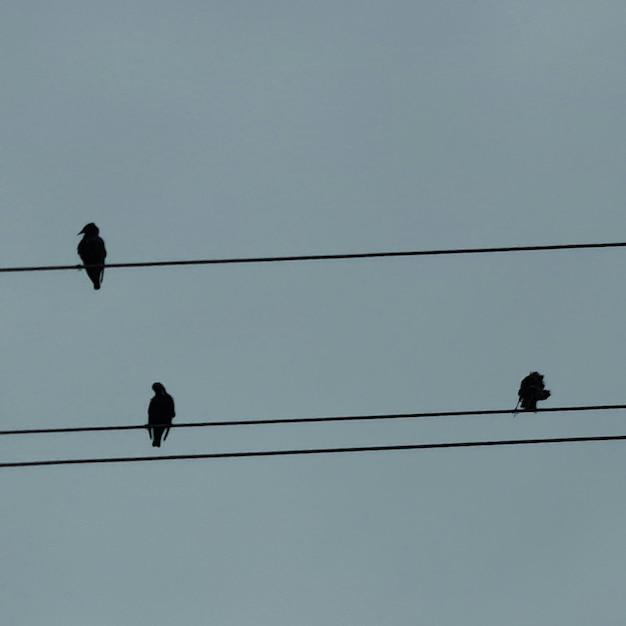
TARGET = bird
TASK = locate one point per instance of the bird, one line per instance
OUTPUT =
(160, 414)
(531, 391)
(92, 252)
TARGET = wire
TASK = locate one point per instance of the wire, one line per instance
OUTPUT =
(309, 451)
(322, 257)
(302, 420)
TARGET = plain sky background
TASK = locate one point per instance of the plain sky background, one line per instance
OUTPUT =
(222, 128)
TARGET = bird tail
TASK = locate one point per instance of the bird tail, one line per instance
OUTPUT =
(95, 275)
(157, 433)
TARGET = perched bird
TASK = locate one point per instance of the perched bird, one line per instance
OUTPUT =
(531, 391)
(160, 414)
(92, 252)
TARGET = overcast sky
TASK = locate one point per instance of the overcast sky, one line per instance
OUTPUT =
(212, 129)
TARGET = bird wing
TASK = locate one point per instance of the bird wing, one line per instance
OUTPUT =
(92, 250)
(171, 412)
(161, 410)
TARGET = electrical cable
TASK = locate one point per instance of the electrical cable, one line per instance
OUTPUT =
(322, 257)
(303, 420)
(313, 451)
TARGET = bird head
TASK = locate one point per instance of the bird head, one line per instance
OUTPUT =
(90, 230)
(158, 388)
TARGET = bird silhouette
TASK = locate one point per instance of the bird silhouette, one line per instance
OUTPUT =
(92, 252)
(531, 391)
(160, 414)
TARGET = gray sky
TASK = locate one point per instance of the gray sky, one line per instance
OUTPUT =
(217, 129)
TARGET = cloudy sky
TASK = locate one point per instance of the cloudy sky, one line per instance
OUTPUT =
(219, 129)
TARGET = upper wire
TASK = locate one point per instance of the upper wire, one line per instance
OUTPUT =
(302, 420)
(323, 257)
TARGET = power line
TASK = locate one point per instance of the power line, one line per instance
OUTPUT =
(310, 451)
(323, 257)
(303, 420)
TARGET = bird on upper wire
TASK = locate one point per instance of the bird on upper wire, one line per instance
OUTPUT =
(532, 390)
(160, 414)
(92, 253)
